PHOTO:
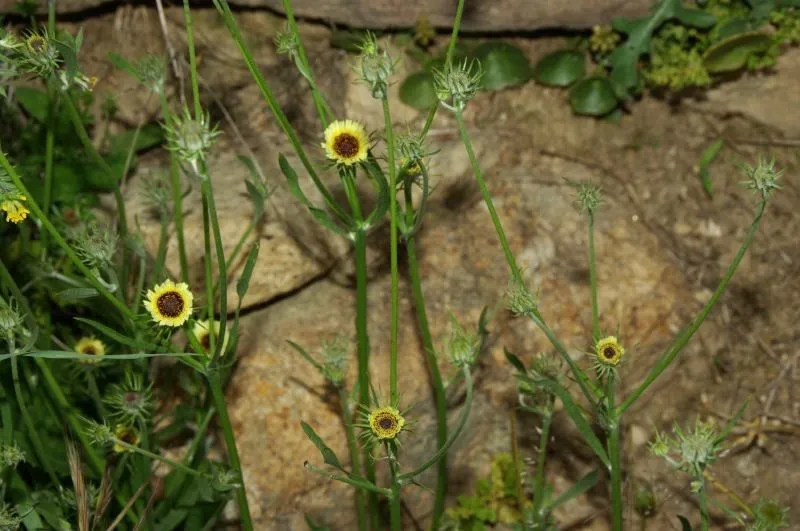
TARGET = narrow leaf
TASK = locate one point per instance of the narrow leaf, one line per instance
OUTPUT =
(72, 295)
(327, 454)
(244, 280)
(515, 361)
(582, 485)
(305, 355)
(685, 525)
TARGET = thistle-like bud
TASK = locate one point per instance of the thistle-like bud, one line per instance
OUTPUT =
(10, 456)
(457, 83)
(769, 515)
(462, 346)
(519, 299)
(99, 434)
(10, 319)
(130, 402)
(38, 56)
(190, 137)
(151, 71)
(763, 178)
(334, 360)
(691, 452)
(9, 518)
(376, 67)
(95, 247)
(533, 395)
(157, 194)
(588, 197)
(287, 42)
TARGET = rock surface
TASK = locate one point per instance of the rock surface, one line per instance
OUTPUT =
(479, 15)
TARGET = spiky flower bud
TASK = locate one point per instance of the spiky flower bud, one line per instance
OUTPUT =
(457, 83)
(9, 518)
(190, 137)
(151, 71)
(10, 319)
(376, 67)
(519, 299)
(99, 434)
(692, 451)
(287, 42)
(10, 456)
(463, 346)
(588, 197)
(334, 359)
(131, 401)
(763, 178)
(769, 515)
(95, 247)
(157, 194)
(533, 394)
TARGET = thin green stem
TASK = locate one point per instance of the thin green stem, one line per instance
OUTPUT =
(187, 16)
(161, 252)
(454, 35)
(355, 460)
(77, 124)
(215, 384)
(615, 458)
(61, 242)
(44, 458)
(538, 482)
(701, 497)
(177, 199)
(487, 197)
(394, 499)
(433, 366)
(680, 342)
(229, 262)
(209, 275)
(141, 451)
(593, 280)
(50, 141)
(395, 296)
(207, 191)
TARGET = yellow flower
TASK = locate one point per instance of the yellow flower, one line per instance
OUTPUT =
(386, 422)
(126, 434)
(346, 142)
(16, 212)
(169, 303)
(36, 43)
(609, 351)
(92, 347)
(200, 330)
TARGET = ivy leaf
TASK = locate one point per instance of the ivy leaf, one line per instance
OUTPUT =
(732, 53)
(418, 92)
(593, 96)
(560, 69)
(503, 65)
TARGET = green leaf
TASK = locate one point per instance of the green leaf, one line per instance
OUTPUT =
(244, 280)
(731, 423)
(305, 355)
(327, 454)
(418, 92)
(116, 336)
(73, 295)
(704, 164)
(503, 65)
(70, 180)
(150, 135)
(34, 102)
(685, 525)
(582, 485)
(314, 527)
(381, 185)
(732, 53)
(515, 361)
(560, 69)
(593, 96)
(68, 355)
(348, 40)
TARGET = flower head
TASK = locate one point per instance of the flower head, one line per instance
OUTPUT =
(519, 299)
(763, 178)
(463, 346)
(169, 303)
(126, 434)
(10, 319)
(16, 212)
(190, 137)
(458, 83)
(588, 197)
(346, 142)
(608, 351)
(604, 39)
(376, 66)
(386, 422)
(201, 332)
(287, 42)
(92, 347)
(10, 456)
(130, 401)
(691, 452)
(769, 515)
(96, 247)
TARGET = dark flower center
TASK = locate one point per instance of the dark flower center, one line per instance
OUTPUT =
(386, 422)
(205, 340)
(131, 397)
(609, 352)
(36, 44)
(170, 304)
(89, 350)
(128, 436)
(345, 145)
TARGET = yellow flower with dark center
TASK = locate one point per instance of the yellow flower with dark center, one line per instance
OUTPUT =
(200, 330)
(92, 347)
(169, 303)
(15, 211)
(609, 351)
(36, 43)
(346, 142)
(126, 434)
(386, 422)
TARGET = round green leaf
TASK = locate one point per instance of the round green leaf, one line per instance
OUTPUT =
(559, 69)
(732, 53)
(593, 96)
(418, 92)
(503, 65)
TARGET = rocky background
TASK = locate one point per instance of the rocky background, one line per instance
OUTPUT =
(662, 245)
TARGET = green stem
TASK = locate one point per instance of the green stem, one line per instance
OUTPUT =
(100, 161)
(680, 342)
(161, 253)
(61, 242)
(212, 333)
(433, 369)
(615, 458)
(487, 197)
(395, 297)
(187, 16)
(593, 280)
(394, 499)
(229, 262)
(355, 461)
(538, 485)
(701, 497)
(177, 199)
(26, 418)
(451, 46)
(208, 192)
(50, 139)
(215, 384)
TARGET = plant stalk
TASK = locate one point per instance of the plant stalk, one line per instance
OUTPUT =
(593, 280)
(355, 461)
(538, 484)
